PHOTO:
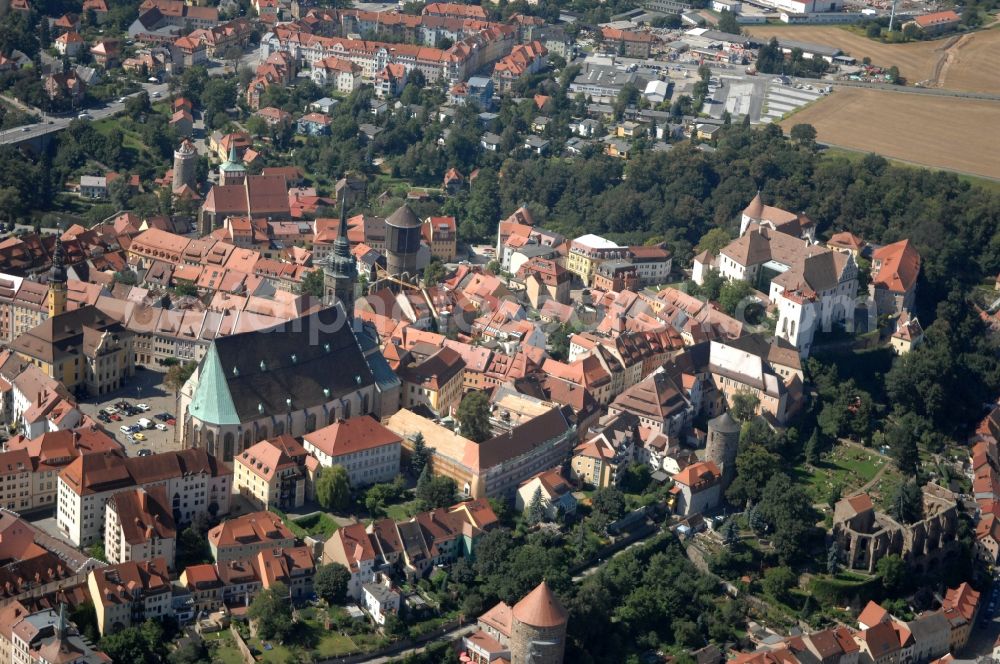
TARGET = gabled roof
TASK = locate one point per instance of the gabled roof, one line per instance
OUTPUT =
(899, 266)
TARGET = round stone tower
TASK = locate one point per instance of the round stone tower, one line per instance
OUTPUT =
(538, 628)
(721, 445)
(185, 167)
(402, 241)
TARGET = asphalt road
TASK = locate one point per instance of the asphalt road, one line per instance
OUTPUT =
(53, 123)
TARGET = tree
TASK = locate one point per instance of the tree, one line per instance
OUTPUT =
(803, 133)
(312, 283)
(833, 558)
(379, 495)
(438, 492)
(754, 466)
(558, 342)
(730, 532)
(272, 610)
(482, 211)
(192, 651)
(788, 510)
(178, 374)
(902, 436)
(733, 294)
(812, 448)
(714, 240)
(536, 509)
(609, 503)
(434, 272)
(419, 456)
(906, 502)
(143, 644)
(192, 548)
(728, 23)
(330, 583)
(743, 406)
(473, 417)
(333, 488)
(778, 581)
(892, 571)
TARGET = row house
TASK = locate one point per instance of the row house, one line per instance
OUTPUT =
(414, 546)
(194, 481)
(524, 60)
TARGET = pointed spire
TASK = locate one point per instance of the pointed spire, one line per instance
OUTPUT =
(342, 231)
(61, 624)
(756, 208)
(232, 153)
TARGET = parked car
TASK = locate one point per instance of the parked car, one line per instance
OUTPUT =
(139, 436)
(116, 417)
(162, 427)
(163, 417)
(142, 408)
(110, 410)
(145, 452)
(125, 428)
(171, 421)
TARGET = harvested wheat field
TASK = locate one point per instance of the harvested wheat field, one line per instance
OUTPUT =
(971, 63)
(940, 132)
(917, 61)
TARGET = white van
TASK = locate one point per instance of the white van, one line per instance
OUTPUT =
(145, 423)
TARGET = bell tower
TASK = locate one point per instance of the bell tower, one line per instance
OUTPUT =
(57, 281)
(340, 272)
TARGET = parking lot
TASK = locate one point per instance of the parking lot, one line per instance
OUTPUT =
(145, 387)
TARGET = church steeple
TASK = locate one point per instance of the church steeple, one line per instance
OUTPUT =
(57, 280)
(340, 273)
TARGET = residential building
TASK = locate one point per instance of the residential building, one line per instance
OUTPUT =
(658, 402)
(895, 270)
(354, 548)
(736, 370)
(339, 74)
(627, 43)
(441, 235)
(390, 81)
(697, 488)
(127, 594)
(609, 448)
(44, 636)
(495, 467)
(274, 473)
(380, 599)
(555, 494)
(907, 335)
(368, 451)
(434, 382)
(960, 607)
(245, 536)
(194, 481)
(587, 252)
(523, 60)
(139, 525)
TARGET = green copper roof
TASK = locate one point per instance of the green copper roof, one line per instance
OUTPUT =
(233, 163)
(212, 403)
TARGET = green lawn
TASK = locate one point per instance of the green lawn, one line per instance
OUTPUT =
(223, 648)
(847, 466)
(402, 511)
(319, 526)
(335, 645)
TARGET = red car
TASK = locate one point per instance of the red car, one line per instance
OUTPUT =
(116, 417)
(171, 421)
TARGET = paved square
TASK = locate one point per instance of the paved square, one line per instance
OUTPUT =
(145, 387)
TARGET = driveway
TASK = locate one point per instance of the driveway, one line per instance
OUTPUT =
(145, 387)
